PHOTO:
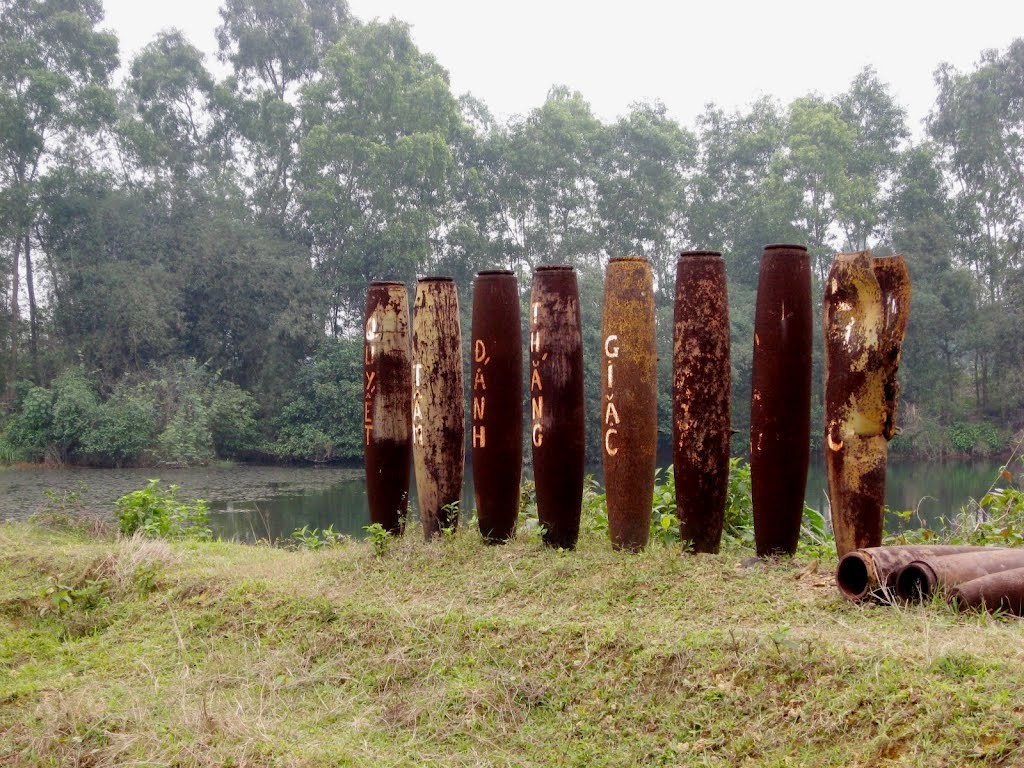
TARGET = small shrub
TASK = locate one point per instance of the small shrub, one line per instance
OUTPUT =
(158, 513)
(312, 539)
(379, 538)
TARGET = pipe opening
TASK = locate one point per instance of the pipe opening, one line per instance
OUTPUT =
(852, 577)
(486, 272)
(554, 268)
(619, 259)
(690, 254)
(387, 283)
(786, 246)
(436, 279)
(913, 584)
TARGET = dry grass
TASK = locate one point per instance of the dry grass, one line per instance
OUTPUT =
(459, 654)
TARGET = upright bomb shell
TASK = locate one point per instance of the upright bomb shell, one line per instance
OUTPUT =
(387, 396)
(556, 403)
(863, 327)
(629, 403)
(496, 431)
(438, 413)
(701, 391)
(780, 407)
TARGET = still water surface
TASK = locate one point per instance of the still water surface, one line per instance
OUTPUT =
(251, 502)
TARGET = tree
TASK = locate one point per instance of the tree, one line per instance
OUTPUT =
(54, 72)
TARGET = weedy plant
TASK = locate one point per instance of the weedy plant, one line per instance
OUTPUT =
(312, 539)
(379, 538)
(158, 513)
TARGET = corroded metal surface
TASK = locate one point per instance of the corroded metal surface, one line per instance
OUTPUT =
(871, 573)
(780, 408)
(556, 403)
(921, 578)
(863, 328)
(387, 396)
(629, 400)
(996, 592)
(438, 412)
(496, 430)
(701, 391)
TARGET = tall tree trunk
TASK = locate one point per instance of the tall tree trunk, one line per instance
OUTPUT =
(12, 373)
(33, 344)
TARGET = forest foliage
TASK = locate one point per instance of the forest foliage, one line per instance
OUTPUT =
(185, 255)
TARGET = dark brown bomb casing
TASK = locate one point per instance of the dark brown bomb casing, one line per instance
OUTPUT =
(863, 327)
(496, 430)
(556, 403)
(780, 408)
(629, 402)
(701, 391)
(387, 396)
(438, 413)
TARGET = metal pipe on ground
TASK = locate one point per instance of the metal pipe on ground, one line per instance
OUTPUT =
(1002, 591)
(922, 578)
(870, 574)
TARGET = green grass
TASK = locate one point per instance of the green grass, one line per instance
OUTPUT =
(454, 653)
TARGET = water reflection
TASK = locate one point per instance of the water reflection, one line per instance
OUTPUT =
(249, 502)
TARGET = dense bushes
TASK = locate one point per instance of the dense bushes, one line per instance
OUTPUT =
(181, 413)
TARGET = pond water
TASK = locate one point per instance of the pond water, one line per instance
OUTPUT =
(253, 502)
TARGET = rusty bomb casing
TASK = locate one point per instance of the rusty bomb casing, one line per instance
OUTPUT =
(496, 428)
(863, 326)
(1003, 591)
(701, 392)
(870, 574)
(387, 398)
(438, 411)
(925, 576)
(629, 400)
(780, 407)
(556, 402)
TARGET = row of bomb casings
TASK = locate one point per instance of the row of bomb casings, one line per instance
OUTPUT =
(414, 409)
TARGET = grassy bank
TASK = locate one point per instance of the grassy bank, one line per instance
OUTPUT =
(145, 652)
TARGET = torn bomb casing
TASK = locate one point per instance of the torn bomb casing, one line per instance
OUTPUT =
(556, 403)
(387, 397)
(1002, 591)
(629, 402)
(701, 391)
(780, 407)
(871, 573)
(864, 327)
(496, 429)
(438, 413)
(921, 578)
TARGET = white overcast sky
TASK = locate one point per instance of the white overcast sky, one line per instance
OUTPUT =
(685, 54)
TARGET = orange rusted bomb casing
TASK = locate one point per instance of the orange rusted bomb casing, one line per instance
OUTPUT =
(556, 402)
(496, 425)
(438, 411)
(629, 402)
(780, 408)
(863, 326)
(387, 395)
(701, 392)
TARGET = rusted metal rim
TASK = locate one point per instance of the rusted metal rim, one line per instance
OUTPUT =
(436, 279)
(621, 259)
(853, 576)
(554, 268)
(383, 283)
(785, 246)
(916, 582)
(692, 254)
(494, 272)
